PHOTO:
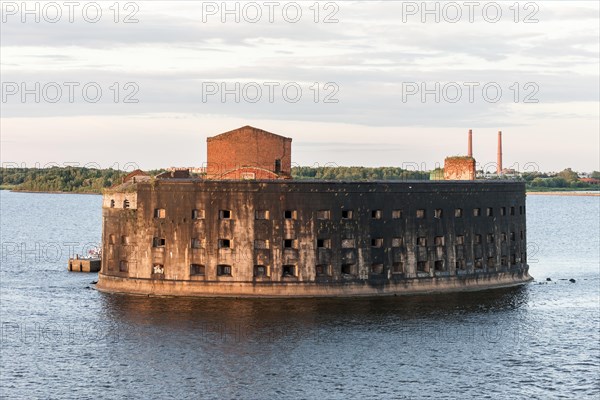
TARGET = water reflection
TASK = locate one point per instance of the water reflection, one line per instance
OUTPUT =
(60, 339)
(265, 319)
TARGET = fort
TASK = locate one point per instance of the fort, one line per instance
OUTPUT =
(246, 229)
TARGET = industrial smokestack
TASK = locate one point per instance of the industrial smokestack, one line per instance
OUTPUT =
(499, 170)
(470, 148)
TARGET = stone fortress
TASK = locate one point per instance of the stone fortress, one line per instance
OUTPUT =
(246, 229)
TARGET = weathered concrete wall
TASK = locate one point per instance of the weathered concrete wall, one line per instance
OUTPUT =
(119, 200)
(315, 238)
(459, 168)
(155, 287)
(247, 146)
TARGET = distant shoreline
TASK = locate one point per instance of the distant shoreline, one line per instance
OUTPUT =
(547, 193)
(574, 193)
(51, 192)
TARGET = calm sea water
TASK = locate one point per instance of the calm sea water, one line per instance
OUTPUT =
(63, 339)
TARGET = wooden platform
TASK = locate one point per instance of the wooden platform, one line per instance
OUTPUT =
(84, 264)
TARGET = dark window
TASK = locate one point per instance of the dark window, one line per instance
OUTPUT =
(289, 214)
(512, 237)
(377, 269)
(289, 270)
(112, 204)
(223, 270)
(422, 266)
(125, 203)
(197, 269)
(503, 211)
(439, 241)
(348, 269)
(421, 213)
(512, 211)
(422, 241)
(224, 243)
(503, 262)
(438, 213)
(490, 212)
(458, 212)
(289, 243)
(460, 239)
(224, 214)
(346, 214)
(277, 166)
(477, 239)
(123, 266)
(522, 235)
(377, 242)
(460, 264)
(439, 265)
(260, 271)
(503, 237)
(324, 243)
(376, 214)
(158, 242)
(124, 240)
(490, 238)
(159, 213)
(476, 212)
(196, 243)
(513, 259)
(396, 214)
(478, 263)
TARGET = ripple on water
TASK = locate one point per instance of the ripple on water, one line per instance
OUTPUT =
(539, 341)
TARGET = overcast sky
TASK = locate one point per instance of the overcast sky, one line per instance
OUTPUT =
(378, 86)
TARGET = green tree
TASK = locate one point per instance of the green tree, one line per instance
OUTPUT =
(568, 175)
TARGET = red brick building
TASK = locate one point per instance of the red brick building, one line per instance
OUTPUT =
(459, 168)
(249, 153)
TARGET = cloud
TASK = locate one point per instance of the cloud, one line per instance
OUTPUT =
(370, 55)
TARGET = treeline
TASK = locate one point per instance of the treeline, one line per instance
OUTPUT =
(59, 179)
(566, 179)
(357, 173)
(87, 180)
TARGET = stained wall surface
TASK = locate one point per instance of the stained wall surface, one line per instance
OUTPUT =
(459, 168)
(323, 233)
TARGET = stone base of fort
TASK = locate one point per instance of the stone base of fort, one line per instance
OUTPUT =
(447, 284)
